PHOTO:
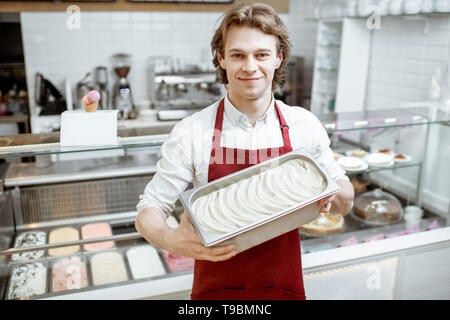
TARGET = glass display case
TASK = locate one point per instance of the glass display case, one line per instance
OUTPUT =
(67, 227)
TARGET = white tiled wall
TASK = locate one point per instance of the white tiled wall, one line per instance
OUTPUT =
(59, 53)
(404, 53)
(303, 34)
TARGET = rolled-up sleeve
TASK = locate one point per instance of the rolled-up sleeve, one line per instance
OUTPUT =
(174, 172)
(325, 156)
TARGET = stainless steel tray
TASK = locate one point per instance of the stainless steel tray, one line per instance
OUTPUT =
(269, 227)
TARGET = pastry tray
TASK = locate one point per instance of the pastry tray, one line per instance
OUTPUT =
(269, 227)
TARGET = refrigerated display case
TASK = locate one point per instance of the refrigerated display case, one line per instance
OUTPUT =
(383, 261)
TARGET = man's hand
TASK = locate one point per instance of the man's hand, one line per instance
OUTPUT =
(325, 203)
(185, 241)
(340, 202)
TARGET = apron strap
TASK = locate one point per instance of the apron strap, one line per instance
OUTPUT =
(219, 120)
(284, 127)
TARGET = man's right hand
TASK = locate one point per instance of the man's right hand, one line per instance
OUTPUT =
(185, 241)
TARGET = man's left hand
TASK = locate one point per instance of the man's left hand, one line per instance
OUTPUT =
(325, 204)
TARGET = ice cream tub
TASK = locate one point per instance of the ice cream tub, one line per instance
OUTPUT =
(28, 280)
(26, 239)
(108, 267)
(68, 273)
(268, 226)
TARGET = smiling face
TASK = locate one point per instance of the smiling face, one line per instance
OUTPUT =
(250, 60)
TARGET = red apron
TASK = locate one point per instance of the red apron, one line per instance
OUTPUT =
(269, 271)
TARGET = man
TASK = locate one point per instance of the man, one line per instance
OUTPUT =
(251, 50)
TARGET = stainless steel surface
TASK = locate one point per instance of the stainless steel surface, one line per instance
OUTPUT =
(32, 173)
(259, 231)
(124, 217)
(62, 201)
(126, 236)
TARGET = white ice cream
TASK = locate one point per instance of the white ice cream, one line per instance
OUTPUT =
(145, 262)
(29, 239)
(259, 196)
(108, 267)
(28, 280)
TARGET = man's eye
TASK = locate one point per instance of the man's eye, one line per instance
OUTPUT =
(237, 55)
(262, 55)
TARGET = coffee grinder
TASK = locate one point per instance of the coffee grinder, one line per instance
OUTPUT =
(123, 100)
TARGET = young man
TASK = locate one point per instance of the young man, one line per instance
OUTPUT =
(251, 50)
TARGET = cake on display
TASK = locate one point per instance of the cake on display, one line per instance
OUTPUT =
(89, 127)
(324, 224)
(377, 208)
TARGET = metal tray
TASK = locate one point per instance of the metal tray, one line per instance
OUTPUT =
(266, 228)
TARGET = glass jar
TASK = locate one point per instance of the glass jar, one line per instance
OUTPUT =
(377, 208)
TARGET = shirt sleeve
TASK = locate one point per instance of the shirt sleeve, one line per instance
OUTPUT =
(174, 172)
(323, 154)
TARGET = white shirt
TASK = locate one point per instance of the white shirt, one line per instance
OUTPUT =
(186, 153)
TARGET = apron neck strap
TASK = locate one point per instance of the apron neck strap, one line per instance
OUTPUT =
(219, 121)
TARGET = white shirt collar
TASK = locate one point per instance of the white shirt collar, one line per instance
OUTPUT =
(238, 117)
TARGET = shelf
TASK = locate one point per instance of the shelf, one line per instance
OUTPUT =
(344, 122)
(25, 174)
(392, 167)
(403, 15)
(27, 145)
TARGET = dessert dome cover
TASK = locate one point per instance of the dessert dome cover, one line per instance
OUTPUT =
(377, 207)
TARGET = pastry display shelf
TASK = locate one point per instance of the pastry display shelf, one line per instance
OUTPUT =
(382, 168)
(26, 145)
(344, 122)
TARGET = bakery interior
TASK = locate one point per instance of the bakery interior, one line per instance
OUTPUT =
(375, 72)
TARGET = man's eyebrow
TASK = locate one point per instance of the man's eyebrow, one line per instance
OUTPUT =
(242, 50)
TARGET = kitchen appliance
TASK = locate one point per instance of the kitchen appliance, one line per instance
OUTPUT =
(123, 100)
(178, 89)
(48, 97)
(101, 80)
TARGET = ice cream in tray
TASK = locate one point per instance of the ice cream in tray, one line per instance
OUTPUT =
(259, 203)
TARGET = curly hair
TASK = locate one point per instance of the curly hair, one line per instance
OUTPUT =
(260, 16)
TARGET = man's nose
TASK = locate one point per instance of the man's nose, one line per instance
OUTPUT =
(249, 65)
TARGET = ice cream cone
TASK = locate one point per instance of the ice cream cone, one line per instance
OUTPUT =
(91, 107)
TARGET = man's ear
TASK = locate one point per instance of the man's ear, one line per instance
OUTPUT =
(221, 62)
(279, 60)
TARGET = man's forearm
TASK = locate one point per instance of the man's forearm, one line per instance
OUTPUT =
(151, 224)
(343, 201)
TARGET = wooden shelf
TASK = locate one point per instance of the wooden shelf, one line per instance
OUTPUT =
(281, 6)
